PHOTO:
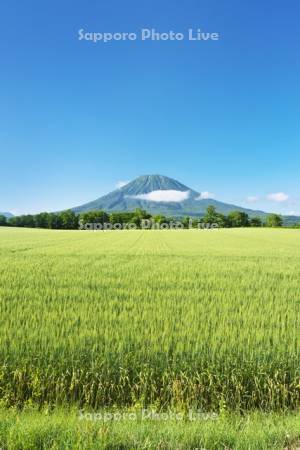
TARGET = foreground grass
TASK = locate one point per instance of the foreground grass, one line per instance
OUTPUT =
(202, 319)
(65, 430)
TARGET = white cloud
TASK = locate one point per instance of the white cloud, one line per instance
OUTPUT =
(168, 195)
(292, 213)
(206, 195)
(121, 183)
(278, 197)
(252, 199)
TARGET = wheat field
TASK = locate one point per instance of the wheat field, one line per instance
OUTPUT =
(167, 319)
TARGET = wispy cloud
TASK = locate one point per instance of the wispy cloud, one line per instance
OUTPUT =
(252, 199)
(168, 195)
(206, 195)
(121, 183)
(278, 197)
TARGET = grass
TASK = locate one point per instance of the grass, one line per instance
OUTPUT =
(63, 429)
(167, 319)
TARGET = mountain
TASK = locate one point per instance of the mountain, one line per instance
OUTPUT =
(158, 194)
(6, 214)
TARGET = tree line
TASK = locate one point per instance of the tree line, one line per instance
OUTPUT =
(68, 220)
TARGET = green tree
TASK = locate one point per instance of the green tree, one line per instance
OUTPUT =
(28, 221)
(160, 219)
(3, 221)
(274, 220)
(12, 222)
(69, 220)
(94, 217)
(18, 221)
(139, 215)
(186, 221)
(42, 220)
(238, 219)
(120, 217)
(54, 221)
(256, 222)
(213, 217)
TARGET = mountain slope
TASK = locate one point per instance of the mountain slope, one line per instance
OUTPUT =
(6, 214)
(159, 195)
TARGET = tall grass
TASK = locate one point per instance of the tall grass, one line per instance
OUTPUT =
(64, 430)
(205, 319)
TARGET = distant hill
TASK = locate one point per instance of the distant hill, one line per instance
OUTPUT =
(6, 214)
(160, 195)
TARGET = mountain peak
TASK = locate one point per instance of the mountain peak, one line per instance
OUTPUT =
(148, 183)
(158, 194)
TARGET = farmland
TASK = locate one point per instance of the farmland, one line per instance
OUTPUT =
(170, 320)
(174, 317)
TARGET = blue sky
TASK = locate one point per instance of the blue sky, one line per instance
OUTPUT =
(222, 116)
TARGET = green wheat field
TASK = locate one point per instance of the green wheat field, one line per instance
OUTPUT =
(165, 320)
